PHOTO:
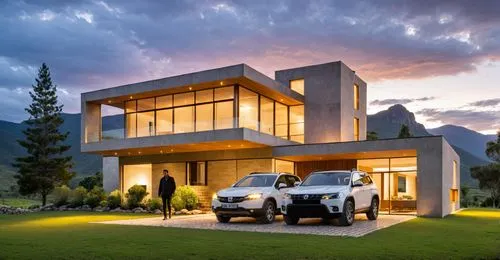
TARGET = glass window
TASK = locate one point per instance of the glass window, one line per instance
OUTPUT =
(131, 125)
(164, 101)
(224, 115)
(184, 99)
(266, 115)
(204, 117)
(281, 179)
(130, 106)
(356, 129)
(356, 97)
(146, 104)
(401, 184)
(256, 181)
(328, 178)
(145, 124)
(281, 123)
(224, 93)
(249, 103)
(283, 166)
(197, 173)
(374, 165)
(204, 96)
(297, 123)
(404, 164)
(164, 122)
(297, 85)
(184, 119)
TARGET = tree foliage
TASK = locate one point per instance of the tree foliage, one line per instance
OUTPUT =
(45, 166)
(90, 182)
(404, 131)
(489, 175)
(371, 135)
(493, 149)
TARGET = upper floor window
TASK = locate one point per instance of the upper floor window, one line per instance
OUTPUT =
(297, 85)
(356, 97)
(356, 129)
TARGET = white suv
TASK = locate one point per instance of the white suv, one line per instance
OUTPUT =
(257, 195)
(332, 195)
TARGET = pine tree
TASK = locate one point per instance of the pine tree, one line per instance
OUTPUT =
(404, 132)
(45, 166)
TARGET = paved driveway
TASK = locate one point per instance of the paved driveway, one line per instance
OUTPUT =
(361, 226)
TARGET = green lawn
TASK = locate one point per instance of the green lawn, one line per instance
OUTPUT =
(19, 203)
(468, 234)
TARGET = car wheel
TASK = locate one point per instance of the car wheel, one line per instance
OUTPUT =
(372, 213)
(290, 220)
(347, 217)
(269, 213)
(223, 219)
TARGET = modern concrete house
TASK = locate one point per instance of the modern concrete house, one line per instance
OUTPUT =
(210, 128)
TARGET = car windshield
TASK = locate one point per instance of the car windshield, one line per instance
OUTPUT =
(327, 178)
(256, 181)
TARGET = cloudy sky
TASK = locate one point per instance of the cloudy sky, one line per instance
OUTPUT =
(441, 59)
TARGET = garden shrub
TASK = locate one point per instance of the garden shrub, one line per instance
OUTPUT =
(77, 196)
(153, 204)
(114, 199)
(61, 195)
(185, 198)
(94, 197)
(135, 196)
(103, 204)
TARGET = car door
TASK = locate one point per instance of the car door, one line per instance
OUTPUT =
(278, 193)
(359, 193)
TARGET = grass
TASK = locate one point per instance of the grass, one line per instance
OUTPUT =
(472, 233)
(19, 203)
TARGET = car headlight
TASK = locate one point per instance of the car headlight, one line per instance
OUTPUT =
(254, 196)
(330, 196)
(287, 196)
(214, 197)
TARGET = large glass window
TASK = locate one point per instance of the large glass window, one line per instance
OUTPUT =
(297, 85)
(281, 120)
(145, 124)
(248, 105)
(224, 93)
(145, 104)
(266, 115)
(356, 129)
(164, 122)
(204, 117)
(130, 106)
(224, 115)
(356, 97)
(204, 96)
(184, 99)
(197, 173)
(131, 121)
(164, 101)
(184, 119)
(297, 123)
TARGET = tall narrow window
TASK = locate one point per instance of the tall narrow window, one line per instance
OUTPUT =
(356, 97)
(455, 174)
(356, 129)
(197, 173)
(164, 122)
(297, 85)
(266, 115)
(145, 104)
(281, 120)
(248, 105)
(184, 119)
(130, 106)
(224, 115)
(297, 123)
(131, 121)
(164, 101)
(145, 124)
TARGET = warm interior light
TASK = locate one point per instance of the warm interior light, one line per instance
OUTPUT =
(190, 88)
(109, 101)
(221, 83)
(281, 100)
(116, 153)
(130, 97)
(228, 145)
(161, 151)
(139, 152)
(171, 150)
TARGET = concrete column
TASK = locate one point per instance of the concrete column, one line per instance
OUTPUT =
(111, 173)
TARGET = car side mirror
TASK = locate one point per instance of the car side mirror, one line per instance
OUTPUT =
(281, 186)
(357, 183)
(297, 183)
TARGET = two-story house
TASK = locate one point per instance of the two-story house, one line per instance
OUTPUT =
(210, 128)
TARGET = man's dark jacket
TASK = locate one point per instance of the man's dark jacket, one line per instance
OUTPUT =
(167, 187)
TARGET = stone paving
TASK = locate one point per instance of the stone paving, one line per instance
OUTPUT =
(361, 226)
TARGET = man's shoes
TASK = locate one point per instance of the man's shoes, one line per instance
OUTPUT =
(164, 218)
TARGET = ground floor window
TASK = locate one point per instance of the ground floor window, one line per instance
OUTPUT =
(137, 174)
(396, 179)
(197, 173)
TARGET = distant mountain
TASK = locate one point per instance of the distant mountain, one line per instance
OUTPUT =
(471, 141)
(387, 123)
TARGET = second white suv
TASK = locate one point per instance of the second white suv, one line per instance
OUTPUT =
(257, 195)
(332, 194)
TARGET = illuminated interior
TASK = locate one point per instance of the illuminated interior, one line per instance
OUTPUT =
(297, 86)
(356, 97)
(139, 174)
(396, 180)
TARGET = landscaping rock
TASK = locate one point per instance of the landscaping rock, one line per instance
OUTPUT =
(177, 213)
(86, 208)
(63, 208)
(184, 211)
(116, 210)
(189, 213)
(8, 210)
(106, 209)
(158, 211)
(197, 211)
(139, 210)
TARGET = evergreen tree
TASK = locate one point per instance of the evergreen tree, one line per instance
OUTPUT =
(404, 131)
(45, 166)
(371, 135)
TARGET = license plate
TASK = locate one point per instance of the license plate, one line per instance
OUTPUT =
(229, 206)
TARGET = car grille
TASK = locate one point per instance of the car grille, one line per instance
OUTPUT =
(234, 199)
(306, 197)
(305, 202)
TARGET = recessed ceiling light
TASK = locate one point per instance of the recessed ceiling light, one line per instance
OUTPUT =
(171, 150)
(228, 145)
(130, 97)
(139, 152)
(161, 151)
(190, 88)
(281, 100)
(221, 83)
(116, 153)
(109, 101)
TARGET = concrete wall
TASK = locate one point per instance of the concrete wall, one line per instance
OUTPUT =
(449, 155)
(90, 122)
(245, 167)
(110, 173)
(328, 101)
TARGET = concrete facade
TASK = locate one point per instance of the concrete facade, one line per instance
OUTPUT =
(230, 154)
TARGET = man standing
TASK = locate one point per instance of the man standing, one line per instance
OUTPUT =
(165, 191)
